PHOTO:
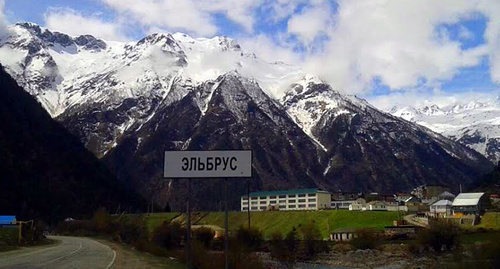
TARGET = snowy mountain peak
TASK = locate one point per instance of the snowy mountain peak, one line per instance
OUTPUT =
(475, 123)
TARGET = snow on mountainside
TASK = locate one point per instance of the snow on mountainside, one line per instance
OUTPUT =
(101, 87)
(129, 102)
(475, 124)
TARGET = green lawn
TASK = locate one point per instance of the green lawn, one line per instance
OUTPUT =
(490, 220)
(154, 220)
(283, 221)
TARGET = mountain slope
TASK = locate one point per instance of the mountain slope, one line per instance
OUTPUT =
(475, 124)
(368, 149)
(230, 113)
(46, 172)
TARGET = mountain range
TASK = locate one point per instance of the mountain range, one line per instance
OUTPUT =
(475, 124)
(129, 102)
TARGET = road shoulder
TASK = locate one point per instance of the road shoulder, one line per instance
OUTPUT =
(127, 257)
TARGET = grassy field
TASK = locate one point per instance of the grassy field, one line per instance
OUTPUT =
(154, 220)
(284, 221)
(490, 220)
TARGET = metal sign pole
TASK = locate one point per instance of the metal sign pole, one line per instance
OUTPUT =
(188, 227)
(226, 227)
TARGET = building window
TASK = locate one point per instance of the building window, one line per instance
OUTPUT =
(254, 198)
(282, 206)
(245, 208)
(311, 194)
(263, 202)
(282, 196)
(272, 197)
(291, 196)
(245, 203)
(263, 197)
(291, 201)
(302, 206)
(302, 200)
(254, 208)
(291, 206)
(245, 198)
(312, 205)
(254, 202)
(302, 195)
(312, 200)
(262, 208)
(282, 202)
(272, 202)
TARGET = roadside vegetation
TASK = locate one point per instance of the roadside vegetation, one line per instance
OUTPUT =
(31, 236)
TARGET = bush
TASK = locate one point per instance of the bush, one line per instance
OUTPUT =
(441, 235)
(204, 235)
(250, 238)
(131, 230)
(365, 239)
(312, 242)
(101, 221)
(168, 235)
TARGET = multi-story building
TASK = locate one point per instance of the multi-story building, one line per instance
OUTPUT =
(302, 199)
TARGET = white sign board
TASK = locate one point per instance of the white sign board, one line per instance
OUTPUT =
(208, 164)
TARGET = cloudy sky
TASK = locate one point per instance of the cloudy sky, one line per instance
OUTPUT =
(388, 51)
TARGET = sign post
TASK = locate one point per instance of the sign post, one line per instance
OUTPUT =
(208, 164)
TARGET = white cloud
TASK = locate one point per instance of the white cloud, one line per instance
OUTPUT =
(491, 8)
(268, 50)
(2, 18)
(395, 42)
(74, 23)
(310, 23)
(193, 16)
(419, 99)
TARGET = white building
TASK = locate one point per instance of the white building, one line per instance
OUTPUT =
(441, 208)
(342, 204)
(301, 199)
(469, 203)
(376, 206)
(358, 205)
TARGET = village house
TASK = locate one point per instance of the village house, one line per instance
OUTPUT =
(469, 204)
(447, 196)
(376, 206)
(441, 209)
(358, 205)
(344, 204)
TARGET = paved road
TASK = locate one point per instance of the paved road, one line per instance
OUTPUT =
(72, 252)
(411, 220)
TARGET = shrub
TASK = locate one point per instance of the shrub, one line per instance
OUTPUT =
(365, 239)
(250, 238)
(312, 242)
(132, 230)
(101, 221)
(204, 235)
(441, 235)
(168, 235)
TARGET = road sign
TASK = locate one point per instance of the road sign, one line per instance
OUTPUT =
(208, 164)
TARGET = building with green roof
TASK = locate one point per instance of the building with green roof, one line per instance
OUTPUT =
(298, 199)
